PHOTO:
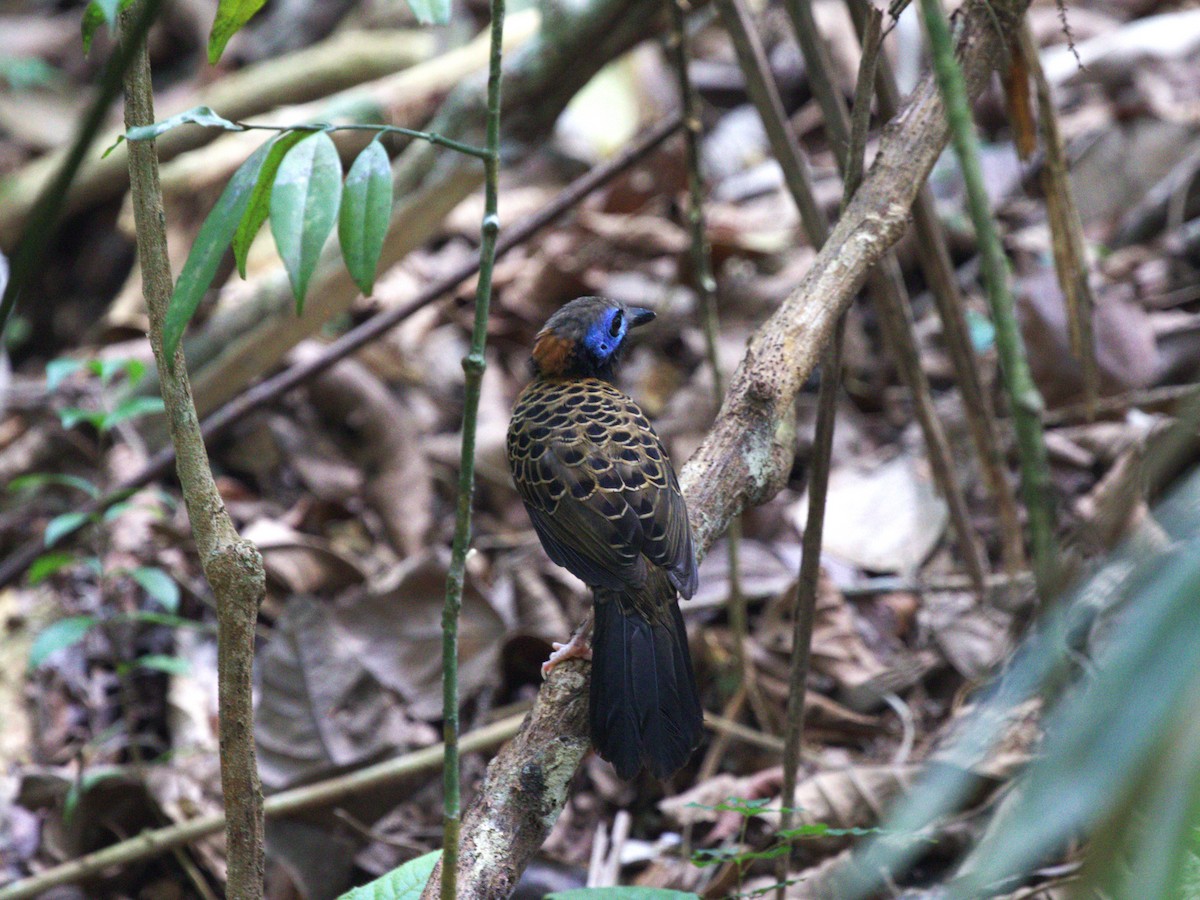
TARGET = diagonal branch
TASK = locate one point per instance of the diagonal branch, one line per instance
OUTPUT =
(743, 461)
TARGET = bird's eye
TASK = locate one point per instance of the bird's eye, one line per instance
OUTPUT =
(615, 328)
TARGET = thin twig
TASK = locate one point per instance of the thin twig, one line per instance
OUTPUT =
(271, 389)
(706, 288)
(232, 565)
(1066, 229)
(1159, 399)
(821, 458)
(933, 255)
(432, 137)
(919, 586)
(325, 793)
(860, 113)
(735, 730)
(702, 274)
(1023, 395)
(752, 59)
(473, 365)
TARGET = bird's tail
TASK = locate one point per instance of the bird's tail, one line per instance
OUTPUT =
(644, 706)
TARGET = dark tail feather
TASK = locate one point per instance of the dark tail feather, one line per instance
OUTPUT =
(644, 707)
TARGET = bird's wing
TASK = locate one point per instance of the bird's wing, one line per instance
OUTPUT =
(652, 490)
(599, 487)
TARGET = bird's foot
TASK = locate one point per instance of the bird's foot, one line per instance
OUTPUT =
(576, 648)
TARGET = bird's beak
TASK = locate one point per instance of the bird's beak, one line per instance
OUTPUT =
(638, 316)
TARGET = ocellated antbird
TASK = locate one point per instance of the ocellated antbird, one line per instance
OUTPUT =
(606, 504)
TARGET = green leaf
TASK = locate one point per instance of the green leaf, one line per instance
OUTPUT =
(231, 16)
(167, 619)
(431, 12)
(60, 526)
(43, 479)
(260, 197)
(116, 511)
(113, 146)
(365, 214)
(215, 235)
(97, 13)
(304, 206)
(159, 585)
(25, 72)
(197, 115)
(132, 369)
(404, 883)
(132, 408)
(47, 564)
(621, 893)
(172, 665)
(73, 415)
(58, 636)
(58, 370)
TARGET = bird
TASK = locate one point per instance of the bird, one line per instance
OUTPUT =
(605, 503)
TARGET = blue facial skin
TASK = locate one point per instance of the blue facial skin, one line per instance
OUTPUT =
(600, 340)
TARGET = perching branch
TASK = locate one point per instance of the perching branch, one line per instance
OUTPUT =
(744, 460)
(232, 565)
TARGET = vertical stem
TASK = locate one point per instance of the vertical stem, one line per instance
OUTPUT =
(473, 365)
(806, 583)
(752, 60)
(822, 455)
(891, 300)
(933, 255)
(1066, 229)
(231, 564)
(706, 286)
(706, 289)
(1023, 394)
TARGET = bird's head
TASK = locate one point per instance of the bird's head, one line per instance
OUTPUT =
(584, 339)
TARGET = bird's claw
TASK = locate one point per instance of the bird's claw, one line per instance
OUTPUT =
(576, 648)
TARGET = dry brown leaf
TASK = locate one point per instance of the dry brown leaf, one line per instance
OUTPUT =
(764, 570)
(1127, 356)
(398, 482)
(838, 649)
(885, 519)
(973, 638)
(301, 563)
(394, 629)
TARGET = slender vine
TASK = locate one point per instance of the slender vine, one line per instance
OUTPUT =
(474, 364)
